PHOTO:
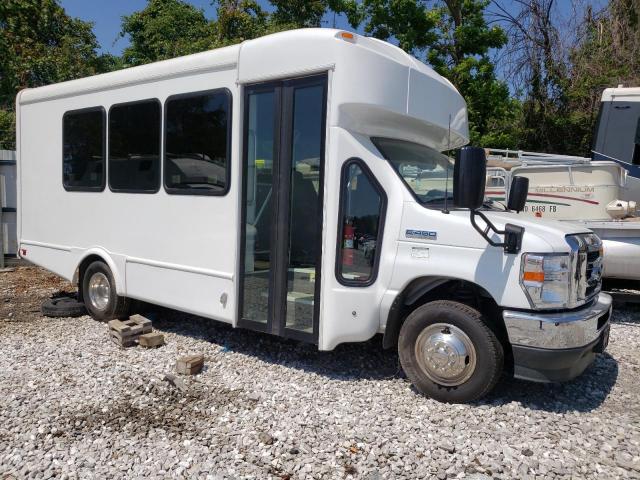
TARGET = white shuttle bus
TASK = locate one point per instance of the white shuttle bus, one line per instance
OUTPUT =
(296, 185)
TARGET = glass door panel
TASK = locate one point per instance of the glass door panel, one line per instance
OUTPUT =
(258, 201)
(305, 209)
(282, 206)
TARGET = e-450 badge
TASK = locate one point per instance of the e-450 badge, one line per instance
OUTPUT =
(421, 234)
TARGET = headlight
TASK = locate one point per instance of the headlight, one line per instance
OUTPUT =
(546, 279)
(563, 280)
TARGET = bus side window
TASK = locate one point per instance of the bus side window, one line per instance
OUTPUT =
(361, 217)
(198, 143)
(134, 147)
(83, 150)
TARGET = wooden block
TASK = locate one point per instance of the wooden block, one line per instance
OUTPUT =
(150, 340)
(190, 364)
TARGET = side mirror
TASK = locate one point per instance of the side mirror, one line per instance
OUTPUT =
(518, 193)
(469, 177)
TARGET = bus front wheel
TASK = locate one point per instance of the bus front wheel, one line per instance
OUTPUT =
(449, 353)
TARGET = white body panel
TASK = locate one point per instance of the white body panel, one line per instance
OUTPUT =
(182, 251)
(138, 232)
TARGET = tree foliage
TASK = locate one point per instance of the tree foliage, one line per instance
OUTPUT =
(607, 54)
(560, 67)
(461, 53)
(240, 20)
(299, 13)
(165, 29)
(411, 23)
(40, 44)
(556, 72)
(538, 58)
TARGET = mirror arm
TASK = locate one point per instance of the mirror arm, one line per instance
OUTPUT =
(490, 226)
(512, 233)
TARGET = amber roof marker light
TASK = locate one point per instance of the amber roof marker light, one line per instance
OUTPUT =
(347, 36)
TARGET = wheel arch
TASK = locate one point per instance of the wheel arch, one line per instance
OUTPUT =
(93, 255)
(426, 289)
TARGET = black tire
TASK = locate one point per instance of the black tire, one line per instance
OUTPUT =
(489, 354)
(63, 307)
(115, 307)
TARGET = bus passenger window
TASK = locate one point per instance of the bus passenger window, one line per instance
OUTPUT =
(83, 150)
(134, 147)
(197, 143)
(361, 214)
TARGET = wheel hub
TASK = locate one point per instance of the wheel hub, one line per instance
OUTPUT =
(445, 354)
(99, 290)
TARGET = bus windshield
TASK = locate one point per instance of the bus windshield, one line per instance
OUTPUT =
(427, 172)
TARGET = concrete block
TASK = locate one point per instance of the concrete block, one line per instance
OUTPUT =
(140, 321)
(150, 340)
(119, 326)
(126, 333)
(122, 341)
(190, 364)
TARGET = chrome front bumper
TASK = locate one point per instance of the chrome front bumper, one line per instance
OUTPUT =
(557, 331)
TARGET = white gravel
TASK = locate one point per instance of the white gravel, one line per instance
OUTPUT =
(73, 405)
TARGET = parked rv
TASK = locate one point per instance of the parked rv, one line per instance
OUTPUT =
(598, 195)
(236, 183)
(617, 134)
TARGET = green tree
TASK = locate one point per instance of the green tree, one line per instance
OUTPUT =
(461, 53)
(539, 58)
(411, 23)
(7, 129)
(606, 55)
(40, 44)
(240, 20)
(165, 29)
(299, 13)
(563, 64)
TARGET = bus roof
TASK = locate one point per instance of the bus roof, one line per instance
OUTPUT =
(377, 87)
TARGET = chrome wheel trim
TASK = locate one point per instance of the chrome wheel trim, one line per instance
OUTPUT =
(99, 291)
(445, 354)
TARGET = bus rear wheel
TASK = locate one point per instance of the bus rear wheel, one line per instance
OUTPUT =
(99, 293)
(449, 353)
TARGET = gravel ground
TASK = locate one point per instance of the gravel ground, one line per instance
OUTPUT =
(73, 405)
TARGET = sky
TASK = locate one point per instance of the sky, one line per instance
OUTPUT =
(107, 16)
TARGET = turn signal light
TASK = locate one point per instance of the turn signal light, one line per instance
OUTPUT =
(533, 276)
